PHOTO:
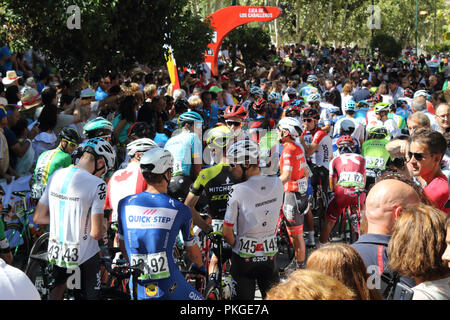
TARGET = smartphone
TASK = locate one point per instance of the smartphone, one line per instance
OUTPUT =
(402, 292)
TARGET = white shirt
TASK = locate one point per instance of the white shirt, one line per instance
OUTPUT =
(254, 207)
(433, 290)
(15, 284)
(73, 195)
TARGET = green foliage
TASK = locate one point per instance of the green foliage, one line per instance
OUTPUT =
(442, 47)
(113, 36)
(253, 42)
(387, 45)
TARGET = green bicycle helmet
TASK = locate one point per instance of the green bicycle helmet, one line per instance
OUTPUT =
(97, 127)
(381, 106)
(378, 131)
(219, 137)
(190, 116)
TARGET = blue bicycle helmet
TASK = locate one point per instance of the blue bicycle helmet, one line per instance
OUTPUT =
(190, 116)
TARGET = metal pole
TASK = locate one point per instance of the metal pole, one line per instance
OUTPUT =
(371, 47)
(434, 24)
(417, 22)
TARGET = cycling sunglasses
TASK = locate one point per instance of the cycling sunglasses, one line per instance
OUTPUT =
(72, 144)
(418, 156)
(307, 120)
(233, 123)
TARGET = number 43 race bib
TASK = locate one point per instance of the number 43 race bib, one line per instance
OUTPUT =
(65, 255)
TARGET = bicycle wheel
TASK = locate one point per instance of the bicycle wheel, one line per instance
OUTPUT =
(213, 294)
(40, 246)
(286, 252)
(36, 272)
(355, 227)
(19, 243)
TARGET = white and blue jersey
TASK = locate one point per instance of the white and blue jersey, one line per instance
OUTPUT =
(184, 147)
(149, 224)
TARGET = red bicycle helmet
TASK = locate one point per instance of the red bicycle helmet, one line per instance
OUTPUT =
(237, 111)
(259, 104)
(345, 141)
(310, 113)
(292, 109)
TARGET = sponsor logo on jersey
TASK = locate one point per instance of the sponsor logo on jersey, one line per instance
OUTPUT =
(151, 290)
(138, 217)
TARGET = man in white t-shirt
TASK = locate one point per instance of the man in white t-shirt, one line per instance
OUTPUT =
(73, 205)
(15, 285)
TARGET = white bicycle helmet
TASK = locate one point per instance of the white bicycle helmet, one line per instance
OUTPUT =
(157, 161)
(101, 148)
(257, 91)
(347, 125)
(243, 151)
(140, 145)
(98, 127)
(312, 78)
(313, 97)
(292, 125)
(420, 93)
(291, 91)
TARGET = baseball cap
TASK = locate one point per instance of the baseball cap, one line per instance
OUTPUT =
(215, 89)
(4, 112)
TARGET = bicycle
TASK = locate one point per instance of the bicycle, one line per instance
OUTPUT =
(17, 229)
(372, 176)
(222, 288)
(286, 254)
(349, 221)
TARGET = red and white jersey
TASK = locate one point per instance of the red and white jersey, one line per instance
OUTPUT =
(293, 159)
(349, 169)
(324, 153)
(124, 183)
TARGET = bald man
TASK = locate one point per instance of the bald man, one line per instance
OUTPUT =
(384, 203)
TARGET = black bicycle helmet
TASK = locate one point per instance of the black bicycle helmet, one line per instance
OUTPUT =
(70, 134)
(141, 130)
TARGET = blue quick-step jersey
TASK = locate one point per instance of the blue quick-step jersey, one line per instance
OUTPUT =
(149, 224)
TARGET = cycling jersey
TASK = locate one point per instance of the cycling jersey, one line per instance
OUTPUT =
(293, 159)
(375, 153)
(184, 147)
(323, 154)
(309, 89)
(358, 133)
(123, 183)
(216, 182)
(149, 224)
(325, 118)
(73, 195)
(47, 163)
(349, 170)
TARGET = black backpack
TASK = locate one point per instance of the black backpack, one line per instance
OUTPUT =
(392, 288)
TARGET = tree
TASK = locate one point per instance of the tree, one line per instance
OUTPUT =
(114, 34)
(253, 42)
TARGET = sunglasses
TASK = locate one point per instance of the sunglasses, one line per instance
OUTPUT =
(418, 156)
(232, 165)
(72, 144)
(233, 123)
(307, 120)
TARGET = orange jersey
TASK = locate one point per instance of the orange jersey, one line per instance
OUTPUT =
(293, 159)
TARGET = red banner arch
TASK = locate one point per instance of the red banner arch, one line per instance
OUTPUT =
(229, 18)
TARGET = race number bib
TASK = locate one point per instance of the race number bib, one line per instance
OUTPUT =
(217, 224)
(65, 255)
(351, 178)
(270, 246)
(177, 166)
(375, 162)
(302, 185)
(155, 265)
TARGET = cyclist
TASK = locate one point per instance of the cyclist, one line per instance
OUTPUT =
(325, 118)
(293, 175)
(275, 110)
(51, 160)
(138, 130)
(73, 205)
(358, 129)
(382, 115)
(186, 149)
(98, 127)
(149, 223)
(311, 86)
(375, 153)
(255, 93)
(347, 173)
(125, 182)
(318, 147)
(235, 117)
(347, 129)
(253, 210)
(215, 182)
(292, 95)
(260, 124)
(293, 111)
